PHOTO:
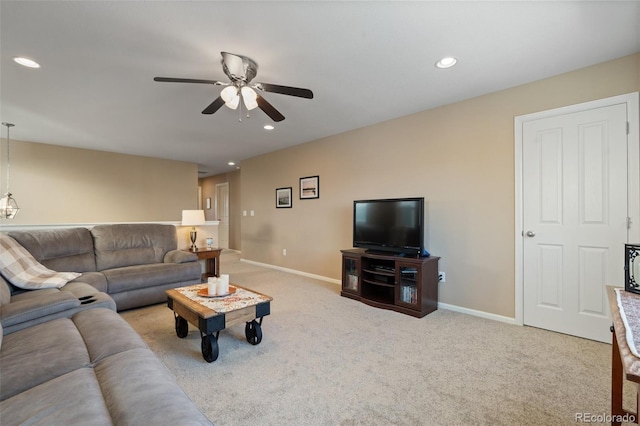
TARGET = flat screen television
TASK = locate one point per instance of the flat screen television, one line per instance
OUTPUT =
(389, 225)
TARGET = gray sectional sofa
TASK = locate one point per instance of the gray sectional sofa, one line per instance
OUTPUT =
(66, 356)
(90, 369)
(134, 263)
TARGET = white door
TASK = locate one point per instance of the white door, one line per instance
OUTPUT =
(222, 214)
(575, 209)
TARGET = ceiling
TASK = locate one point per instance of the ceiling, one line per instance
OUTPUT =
(366, 62)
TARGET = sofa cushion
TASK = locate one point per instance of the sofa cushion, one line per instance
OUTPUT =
(106, 333)
(132, 244)
(139, 390)
(142, 276)
(33, 355)
(20, 268)
(69, 249)
(71, 399)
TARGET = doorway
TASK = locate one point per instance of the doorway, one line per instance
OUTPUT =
(222, 213)
(577, 178)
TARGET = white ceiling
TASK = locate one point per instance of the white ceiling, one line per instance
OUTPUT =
(366, 62)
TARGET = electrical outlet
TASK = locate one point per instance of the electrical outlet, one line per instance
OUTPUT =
(442, 277)
(284, 252)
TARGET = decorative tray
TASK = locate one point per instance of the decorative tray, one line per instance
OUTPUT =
(205, 292)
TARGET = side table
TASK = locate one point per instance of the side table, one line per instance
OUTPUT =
(624, 365)
(212, 259)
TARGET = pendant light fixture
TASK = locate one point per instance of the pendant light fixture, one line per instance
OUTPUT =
(8, 206)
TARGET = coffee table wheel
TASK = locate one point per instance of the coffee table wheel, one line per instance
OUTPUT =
(182, 326)
(253, 332)
(210, 350)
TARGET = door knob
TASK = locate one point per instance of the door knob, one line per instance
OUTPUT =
(531, 234)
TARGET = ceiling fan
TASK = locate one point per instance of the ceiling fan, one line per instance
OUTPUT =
(241, 70)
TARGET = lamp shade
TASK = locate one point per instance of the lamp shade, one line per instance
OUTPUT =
(230, 96)
(250, 97)
(192, 217)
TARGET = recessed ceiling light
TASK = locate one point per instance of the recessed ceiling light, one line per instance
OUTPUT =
(446, 62)
(231, 163)
(26, 62)
(268, 127)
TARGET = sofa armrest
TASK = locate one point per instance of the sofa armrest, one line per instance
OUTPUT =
(35, 304)
(80, 290)
(97, 280)
(179, 256)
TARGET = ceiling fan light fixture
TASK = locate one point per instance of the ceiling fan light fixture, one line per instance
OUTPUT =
(250, 97)
(233, 103)
(241, 70)
(230, 96)
(268, 127)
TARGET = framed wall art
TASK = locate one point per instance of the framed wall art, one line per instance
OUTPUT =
(284, 198)
(309, 187)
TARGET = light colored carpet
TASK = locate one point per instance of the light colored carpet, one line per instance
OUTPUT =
(329, 360)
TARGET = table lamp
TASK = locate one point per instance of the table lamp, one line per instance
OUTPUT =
(193, 218)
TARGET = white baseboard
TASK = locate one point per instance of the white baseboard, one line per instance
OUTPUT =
(293, 271)
(441, 305)
(476, 313)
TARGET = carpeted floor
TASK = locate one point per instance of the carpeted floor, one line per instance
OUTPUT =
(329, 360)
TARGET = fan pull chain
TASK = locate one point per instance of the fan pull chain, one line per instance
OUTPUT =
(241, 105)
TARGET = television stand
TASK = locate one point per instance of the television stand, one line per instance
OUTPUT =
(403, 284)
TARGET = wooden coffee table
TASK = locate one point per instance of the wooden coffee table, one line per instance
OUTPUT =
(213, 314)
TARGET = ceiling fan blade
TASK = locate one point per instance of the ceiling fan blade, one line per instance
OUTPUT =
(187, 80)
(285, 90)
(214, 106)
(268, 109)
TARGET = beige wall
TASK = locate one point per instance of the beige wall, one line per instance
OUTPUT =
(460, 157)
(61, 185)
(208, 185)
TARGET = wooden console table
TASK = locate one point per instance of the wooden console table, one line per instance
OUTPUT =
(624, 364)
(212, 258)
